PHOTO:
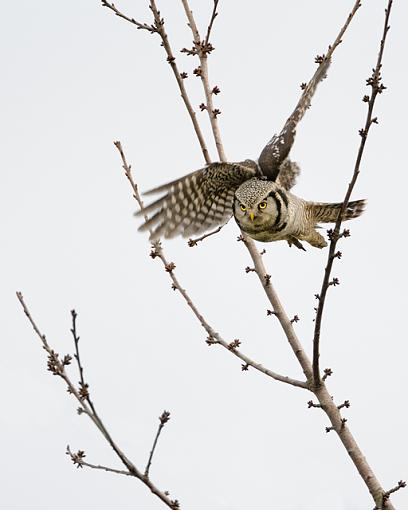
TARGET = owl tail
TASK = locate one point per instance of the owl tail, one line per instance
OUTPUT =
(328, 213)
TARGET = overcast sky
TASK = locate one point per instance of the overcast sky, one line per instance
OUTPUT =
(74, 79)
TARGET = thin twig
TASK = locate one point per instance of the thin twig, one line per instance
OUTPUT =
(83, 386)
(57, 367)
(376, 88)
(193, 242)
(105, 468)
(346, 404)
(202, 52)
(139, 26)
(74, 316)
(214, 14)
(164, 418)
(214, 337)
(400, 485)
(78, 459)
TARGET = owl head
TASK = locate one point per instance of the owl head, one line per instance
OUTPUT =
(260, 205)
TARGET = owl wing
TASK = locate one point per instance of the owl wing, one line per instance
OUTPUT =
(277, 149)
(197, 202)
(288, 173)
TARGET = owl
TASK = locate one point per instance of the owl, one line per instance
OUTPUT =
(262, 208)
(256, 193)
(267, 211)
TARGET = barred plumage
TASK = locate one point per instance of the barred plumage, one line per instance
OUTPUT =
(277, 149)
(197, 202)
(276, 214)
(328, 213)
(264, 209)
(257, 193)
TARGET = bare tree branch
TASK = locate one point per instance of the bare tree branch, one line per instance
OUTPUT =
(375, 82)
(338, 423)
(213, 336)
(400, 485)
(279, 311)
(193, 242)
(57, 367)
(78, 460)
(159, 24)
(139, 26)
(83, 386)
(214, 14)
(158, 28)
(321, 392)
(313, 382)
(202, 48)
(164, 418)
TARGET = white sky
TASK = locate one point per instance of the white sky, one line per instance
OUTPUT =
(75, 78)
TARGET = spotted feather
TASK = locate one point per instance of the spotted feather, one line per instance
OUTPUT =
(198, 201)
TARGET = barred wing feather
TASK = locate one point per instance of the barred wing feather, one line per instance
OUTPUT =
(197, 202)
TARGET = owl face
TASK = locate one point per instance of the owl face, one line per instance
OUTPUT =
(258, 206)
(258, 216)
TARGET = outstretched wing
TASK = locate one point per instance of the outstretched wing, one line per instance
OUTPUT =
(277, 149)
(197, 202)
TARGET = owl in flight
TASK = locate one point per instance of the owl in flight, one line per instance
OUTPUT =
(255, 192)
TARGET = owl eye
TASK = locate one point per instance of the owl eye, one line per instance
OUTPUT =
(262, 205)
(243, 208)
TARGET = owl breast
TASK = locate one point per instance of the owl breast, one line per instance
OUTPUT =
(263, 233)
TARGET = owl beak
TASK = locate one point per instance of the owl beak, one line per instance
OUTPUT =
(251, 216)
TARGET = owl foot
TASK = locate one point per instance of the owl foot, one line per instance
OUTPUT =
(292, 240)
(315, 239)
